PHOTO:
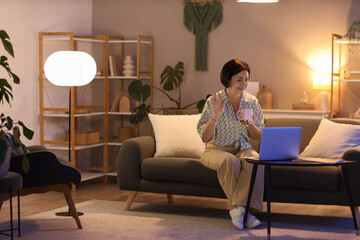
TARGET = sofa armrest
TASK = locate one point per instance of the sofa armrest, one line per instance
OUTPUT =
(130, 155)
(352, 154)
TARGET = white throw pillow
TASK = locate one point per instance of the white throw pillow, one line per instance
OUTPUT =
(331, 140)
(176, 135)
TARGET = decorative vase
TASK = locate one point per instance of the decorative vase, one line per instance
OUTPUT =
(265, 98)
(128, 67)
(4, 167)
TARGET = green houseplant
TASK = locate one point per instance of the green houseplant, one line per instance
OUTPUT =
(171, 78)
(6, 122)
(140, 93)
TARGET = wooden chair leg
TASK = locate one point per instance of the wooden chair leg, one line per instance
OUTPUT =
(129, 200)
(170, 198)
(71, 204)
(1, 200)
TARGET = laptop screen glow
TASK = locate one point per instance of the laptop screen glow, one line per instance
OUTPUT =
(280, 143)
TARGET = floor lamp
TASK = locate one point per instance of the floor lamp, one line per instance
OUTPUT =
(69, 68)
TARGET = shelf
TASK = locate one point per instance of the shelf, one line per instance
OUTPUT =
(77, 147)
(112, 173)
(67, 38)
(95, 78)
(347, 41)
(289, 113)
(120, 113)
(87, 175)
(89, 40)
(75, 115)
(131, 78)
(130, 41)
(346, 80)
(56, 38)
(114, 143)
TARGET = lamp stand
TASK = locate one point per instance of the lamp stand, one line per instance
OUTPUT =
(68, 213)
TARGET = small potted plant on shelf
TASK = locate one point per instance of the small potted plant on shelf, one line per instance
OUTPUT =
(6, 122)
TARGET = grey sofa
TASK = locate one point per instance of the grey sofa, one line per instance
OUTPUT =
(137, 170)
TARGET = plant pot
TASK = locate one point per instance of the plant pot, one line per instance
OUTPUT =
(4, 167)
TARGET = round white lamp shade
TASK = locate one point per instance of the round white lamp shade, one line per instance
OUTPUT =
(70, 68)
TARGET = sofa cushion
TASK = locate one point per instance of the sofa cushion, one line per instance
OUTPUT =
(309, 178)
(176, 135)
(331, 140)
(178, 169)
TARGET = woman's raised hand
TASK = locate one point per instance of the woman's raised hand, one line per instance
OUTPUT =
(217, 104)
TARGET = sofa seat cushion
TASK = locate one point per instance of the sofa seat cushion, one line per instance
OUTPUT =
(309, 178)
(178, 169)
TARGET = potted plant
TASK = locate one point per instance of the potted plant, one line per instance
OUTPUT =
(140, 93)
(6, 122)
(171, 78)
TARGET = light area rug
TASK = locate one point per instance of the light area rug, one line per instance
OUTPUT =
(108, 220)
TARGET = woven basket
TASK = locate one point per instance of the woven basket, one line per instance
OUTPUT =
(125, 133)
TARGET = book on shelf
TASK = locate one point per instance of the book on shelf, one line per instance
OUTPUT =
(112, 66)
(115, 103)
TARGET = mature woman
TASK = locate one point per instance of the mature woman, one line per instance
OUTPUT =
(227, 136)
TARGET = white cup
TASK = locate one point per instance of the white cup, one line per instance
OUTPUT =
(245, 114)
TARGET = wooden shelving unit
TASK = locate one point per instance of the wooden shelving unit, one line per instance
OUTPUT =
(100, 47)
(341, 71)
(141, 51)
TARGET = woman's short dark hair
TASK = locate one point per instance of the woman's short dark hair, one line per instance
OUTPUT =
(232, 68)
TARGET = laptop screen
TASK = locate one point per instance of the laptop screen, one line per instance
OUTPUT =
(280, 143)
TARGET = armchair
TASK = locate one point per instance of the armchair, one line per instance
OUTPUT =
(47, 170)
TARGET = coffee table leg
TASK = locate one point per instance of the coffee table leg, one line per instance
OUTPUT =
(252, 181)
(354, 209)
(268, 208)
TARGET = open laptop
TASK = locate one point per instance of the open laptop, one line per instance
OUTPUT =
(280, 143)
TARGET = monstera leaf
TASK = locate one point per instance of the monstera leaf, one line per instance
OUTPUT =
(7, 123)
(172, 77)
(138, 91)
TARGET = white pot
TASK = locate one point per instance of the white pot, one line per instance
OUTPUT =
(4, 167)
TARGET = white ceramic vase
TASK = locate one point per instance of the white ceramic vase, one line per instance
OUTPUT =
(128, 67)
(4, 167)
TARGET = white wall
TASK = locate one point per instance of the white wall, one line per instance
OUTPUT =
(278, 40)
(23, 20)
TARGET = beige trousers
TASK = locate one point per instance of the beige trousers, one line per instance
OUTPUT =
(234, 174)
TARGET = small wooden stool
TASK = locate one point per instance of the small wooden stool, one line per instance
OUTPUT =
(8, 184)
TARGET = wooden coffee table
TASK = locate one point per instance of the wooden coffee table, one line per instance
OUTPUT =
(298, 163)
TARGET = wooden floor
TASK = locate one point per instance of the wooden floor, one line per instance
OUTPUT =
(97, 189)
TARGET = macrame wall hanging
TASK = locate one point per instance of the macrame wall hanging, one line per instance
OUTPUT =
(201, 18)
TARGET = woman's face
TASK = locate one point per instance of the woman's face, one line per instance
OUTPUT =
(239, 82)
